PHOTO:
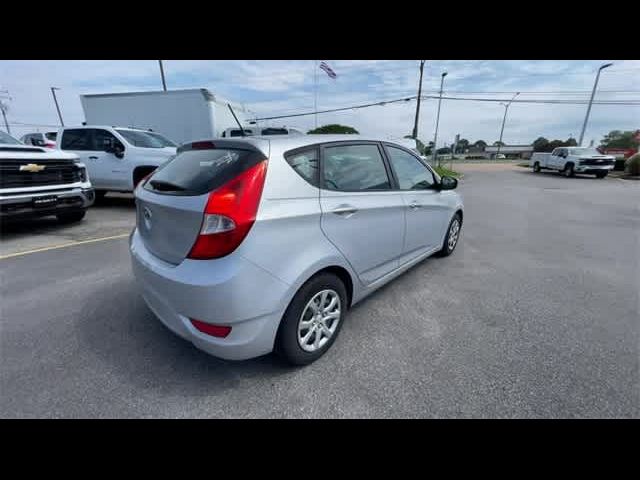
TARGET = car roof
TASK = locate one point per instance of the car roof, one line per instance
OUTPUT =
(289, 142)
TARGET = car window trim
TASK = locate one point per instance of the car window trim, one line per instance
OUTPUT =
(348, 143)
(425, 164)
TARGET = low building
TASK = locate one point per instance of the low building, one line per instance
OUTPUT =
(510, 151)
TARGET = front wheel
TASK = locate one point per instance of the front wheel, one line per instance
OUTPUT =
(452, 237)
(568, 170)
(71, 217)
(601, 174)
(313, 320)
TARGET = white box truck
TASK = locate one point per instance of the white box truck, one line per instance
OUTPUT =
(181, 115)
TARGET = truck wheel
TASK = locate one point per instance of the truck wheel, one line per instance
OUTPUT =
(100, 195)
(601, 174)
(536, 167)
(568, 170)
(71, 217)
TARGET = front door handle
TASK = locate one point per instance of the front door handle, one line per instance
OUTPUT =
(345, 210)
(414, 205)
(93, 158)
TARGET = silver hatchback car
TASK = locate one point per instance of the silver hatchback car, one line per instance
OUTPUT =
(250, 245)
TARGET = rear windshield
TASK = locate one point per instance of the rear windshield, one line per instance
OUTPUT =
(274, 131)
(51, 136)
(196, 172)
(141, 139)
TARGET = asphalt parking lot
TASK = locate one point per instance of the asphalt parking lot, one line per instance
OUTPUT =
(537, 314)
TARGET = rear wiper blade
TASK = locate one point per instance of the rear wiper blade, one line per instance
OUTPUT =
(166, 186)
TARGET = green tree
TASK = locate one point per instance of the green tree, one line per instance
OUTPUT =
(498, 142)
(571, 142)
(334, 128)
(480, 144)
(619, 139)
(463, 144)
(540, 144)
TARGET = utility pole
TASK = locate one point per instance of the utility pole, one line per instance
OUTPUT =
(53, 91)
(415, 123)
(164, 83)
(504, 119)
(3, 108)
(315, 92)
(435, 137)
(593, 94)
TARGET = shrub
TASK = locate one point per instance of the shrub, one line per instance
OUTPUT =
(633, 165)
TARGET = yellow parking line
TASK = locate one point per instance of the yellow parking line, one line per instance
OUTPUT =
(63, 245)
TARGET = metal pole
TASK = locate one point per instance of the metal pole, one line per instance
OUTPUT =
(164, 83)
(315, 94)
(435, 137)
(593, 94)
(55, 99)
(415, 123)
(504, 119)
(4, 115)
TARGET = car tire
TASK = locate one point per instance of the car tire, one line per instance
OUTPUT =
(455, 227)
(536, 167)
(601, 174)
(568, 170)
(100, 195)
(71, 217)
(300, 327)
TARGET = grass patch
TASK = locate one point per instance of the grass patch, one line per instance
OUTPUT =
(442, 171)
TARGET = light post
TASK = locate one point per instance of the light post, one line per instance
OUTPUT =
(53, 91)
(435, 137)
(593, 94)
(504, 119)
(164, 84)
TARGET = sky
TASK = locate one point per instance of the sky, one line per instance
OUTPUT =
(279, 87)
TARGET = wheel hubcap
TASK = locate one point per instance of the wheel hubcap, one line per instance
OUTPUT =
(319, 320)
(454, 231)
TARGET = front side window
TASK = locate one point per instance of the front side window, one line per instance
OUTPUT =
(103, 138)
(305, 163)
(76, 139)
(411, 172)
(354, 168)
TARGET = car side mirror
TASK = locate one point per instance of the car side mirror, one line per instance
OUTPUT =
(448, 183)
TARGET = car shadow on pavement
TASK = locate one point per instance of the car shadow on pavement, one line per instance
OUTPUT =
(115, 200)
(15, 228)
(139, 349)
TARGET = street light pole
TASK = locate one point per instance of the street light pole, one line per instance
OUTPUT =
(53, 91)
(164, 83)
(415, 124)
(593, 94)
(504, 119)
(4, 115)
(435, 137)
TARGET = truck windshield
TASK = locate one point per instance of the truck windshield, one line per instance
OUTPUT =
(165, 141)
(584, 151)
(141, 139)
(8, 139)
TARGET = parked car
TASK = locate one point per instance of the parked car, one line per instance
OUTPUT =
(260, 131)
(47, 139)
(572, 160)
(37, 181)
(249, 245)
(117, 158)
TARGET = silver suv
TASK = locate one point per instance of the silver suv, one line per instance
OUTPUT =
(245, 246)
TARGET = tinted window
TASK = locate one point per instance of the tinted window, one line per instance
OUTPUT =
(140, 139)
(238, 132)
(305, 164)
(164, 140)
(195, 172)
(354, 168)
(76, 139)
(51, 136)
(103, 137)
(8, 139)
(274, 131)
(411, 172)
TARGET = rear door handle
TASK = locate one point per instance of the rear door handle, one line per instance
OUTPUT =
(345, 210)
(93, 158)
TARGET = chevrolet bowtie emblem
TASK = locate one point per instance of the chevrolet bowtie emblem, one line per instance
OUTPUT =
(32, 167)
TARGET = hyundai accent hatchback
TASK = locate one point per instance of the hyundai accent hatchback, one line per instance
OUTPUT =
(246, 246)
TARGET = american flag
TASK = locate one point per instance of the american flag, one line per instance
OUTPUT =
(328, 70)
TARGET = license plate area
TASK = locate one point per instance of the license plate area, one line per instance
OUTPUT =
(45, 201)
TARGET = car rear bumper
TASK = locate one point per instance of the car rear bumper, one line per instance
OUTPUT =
(229, 291)
(21, 204)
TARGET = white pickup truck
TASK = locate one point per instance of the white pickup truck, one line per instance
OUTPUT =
(572, 160)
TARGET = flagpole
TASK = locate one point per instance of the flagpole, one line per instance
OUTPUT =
(315, 98)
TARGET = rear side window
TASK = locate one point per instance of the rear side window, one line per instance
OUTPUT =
(51, 136)
(305, 163)
(354, 168)
(76, 139)
(196, 172)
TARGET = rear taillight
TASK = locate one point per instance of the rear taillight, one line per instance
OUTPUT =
(229, 214)
(50, 145)
(220, 331)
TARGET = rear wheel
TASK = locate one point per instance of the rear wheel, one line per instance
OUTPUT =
(313, 320)
(601, 174)
(536, 167)
(71, 217)
(568, 170)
